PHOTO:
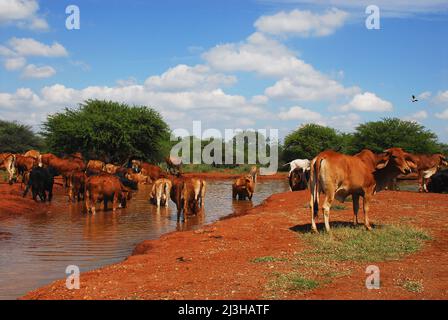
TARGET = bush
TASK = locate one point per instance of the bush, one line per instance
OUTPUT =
(18, 138)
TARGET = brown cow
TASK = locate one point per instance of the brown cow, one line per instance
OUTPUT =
(137, 177)
(44, 159)
(24, 165)
(152, 171)
(8, 163)
(193, 195)
(111, 168)
(174, 165)
(160, 192)
(76, 186)
(427, 166)
(176, 194)
(105, 187)
(338, 176)
(63, 167)
(96, 166)
(244, 187)
(33, 154)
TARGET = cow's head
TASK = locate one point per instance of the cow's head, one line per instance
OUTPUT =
(397, 158)
(443, 160)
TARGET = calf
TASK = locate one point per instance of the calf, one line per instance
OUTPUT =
(338, 176)
(243, 187)
(8, 163)
(41, 181)
(160, 193)
(427, 165)
(439, 182)
(298, 179)
(105, 187)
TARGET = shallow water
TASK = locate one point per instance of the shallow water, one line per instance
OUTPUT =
(35, 251)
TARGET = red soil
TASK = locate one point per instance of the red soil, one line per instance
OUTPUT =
(215, 262)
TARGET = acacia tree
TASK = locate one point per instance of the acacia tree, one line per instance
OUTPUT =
(18, 138)
(394, 132)
(108, 130)
(309, 140)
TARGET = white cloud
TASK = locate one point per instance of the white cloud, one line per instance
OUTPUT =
(302, 23)
(23, 13)
(418, 116)
(299, 113)
(183, 77)
(442, 97)
(367, 102)
(31, 47)
(389, 8)
(443, 115)
(344, 122)
(33, 71)
(268, 57)
(424, 95)
(13, 64)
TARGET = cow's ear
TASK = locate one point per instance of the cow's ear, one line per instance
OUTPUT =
(382, 163)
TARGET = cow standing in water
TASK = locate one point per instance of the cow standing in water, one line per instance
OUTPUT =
(338, 176)
(160, 192)
(427, 166)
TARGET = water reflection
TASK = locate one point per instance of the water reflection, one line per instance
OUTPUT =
(36, 250)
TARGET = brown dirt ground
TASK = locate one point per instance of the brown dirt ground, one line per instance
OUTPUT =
(215, 261)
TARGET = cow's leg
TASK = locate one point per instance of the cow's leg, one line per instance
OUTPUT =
(420, 181)
(105, 203)
(313, 216)
(115, 203)
(86, 200)
(366, 204)
(355, 198)
(159, 196)
(326, 209)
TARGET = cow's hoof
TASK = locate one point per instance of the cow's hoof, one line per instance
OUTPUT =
(314, 231)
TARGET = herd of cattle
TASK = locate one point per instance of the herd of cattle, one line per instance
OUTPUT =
(335, 175)
(338, 176)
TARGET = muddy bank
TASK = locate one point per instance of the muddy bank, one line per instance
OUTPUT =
(12, 202)
(215, 262)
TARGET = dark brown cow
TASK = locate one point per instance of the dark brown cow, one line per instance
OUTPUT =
(243, 187)
(105, 187)
(176, 194)
(338, 176)
(8, 163)
(298, 179)
(427, 166)
(111, 168)
(76, 186)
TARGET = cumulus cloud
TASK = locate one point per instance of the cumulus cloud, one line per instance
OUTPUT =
(443, 115)
(302, 23)
(13, 64)
(442, 97)
(424, 95)
(270, 58)
(183, 77)
(418, 116)
(367, 102)
(31, 47)
(23, 13)
(33, 71)
(299, 113)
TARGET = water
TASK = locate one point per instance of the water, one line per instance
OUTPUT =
(35, 251)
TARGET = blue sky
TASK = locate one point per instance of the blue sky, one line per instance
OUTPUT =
(231, 64)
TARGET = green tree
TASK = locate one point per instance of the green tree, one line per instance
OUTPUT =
(309, 140)
(18, 138)
(108, 130)
(393, 132)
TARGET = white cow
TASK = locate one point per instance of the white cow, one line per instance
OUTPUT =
(305, 164)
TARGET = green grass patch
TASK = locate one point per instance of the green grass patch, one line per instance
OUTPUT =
(268, 259)
(355, 244)
(292, 281)
(412, 285)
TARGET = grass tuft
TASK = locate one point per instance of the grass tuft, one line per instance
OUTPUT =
(267, 259)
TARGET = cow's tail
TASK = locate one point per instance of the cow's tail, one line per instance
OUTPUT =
(12, 165)
(314, 186)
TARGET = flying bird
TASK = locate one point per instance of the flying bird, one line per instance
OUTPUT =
(414, 99)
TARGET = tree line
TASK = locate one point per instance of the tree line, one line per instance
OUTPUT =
(114, 132)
